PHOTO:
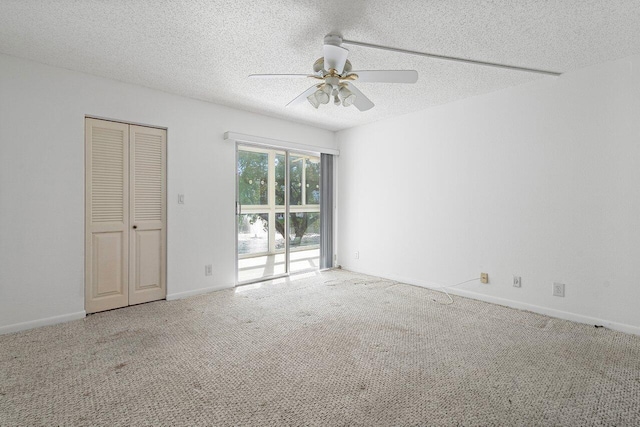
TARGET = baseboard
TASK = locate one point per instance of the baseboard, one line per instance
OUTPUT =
(552, 312)
(187, 294)
(565, 315)
(17, 327)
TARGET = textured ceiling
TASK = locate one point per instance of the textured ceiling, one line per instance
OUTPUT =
(206, 49)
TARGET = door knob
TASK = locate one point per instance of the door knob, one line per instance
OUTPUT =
(135, 226)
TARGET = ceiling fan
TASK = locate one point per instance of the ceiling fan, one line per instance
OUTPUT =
(336, 75)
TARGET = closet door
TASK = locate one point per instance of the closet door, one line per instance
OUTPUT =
(107, 215)
(147, 214)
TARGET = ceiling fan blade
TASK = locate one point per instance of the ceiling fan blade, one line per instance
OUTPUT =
(335, 57)
(279, 76)
(453, 58)
(387, 76)
(302, 97)
(362, 103)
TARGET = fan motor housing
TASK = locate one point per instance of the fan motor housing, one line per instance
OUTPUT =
(319, 66)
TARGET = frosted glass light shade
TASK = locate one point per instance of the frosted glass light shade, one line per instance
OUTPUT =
(313, 100)
(322, 97)
(346, 96)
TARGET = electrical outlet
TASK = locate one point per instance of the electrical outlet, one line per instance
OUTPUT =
(558, 289)
(357, 255)
(484, 277)
(517, 281)
(208, 270)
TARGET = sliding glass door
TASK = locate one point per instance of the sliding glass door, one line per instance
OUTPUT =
(278, 214)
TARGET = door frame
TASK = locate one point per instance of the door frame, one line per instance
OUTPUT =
(288, 151)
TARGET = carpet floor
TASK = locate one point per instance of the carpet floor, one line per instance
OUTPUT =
(334, 349)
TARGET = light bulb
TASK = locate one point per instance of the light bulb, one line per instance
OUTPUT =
(346, 96)
(336, 101)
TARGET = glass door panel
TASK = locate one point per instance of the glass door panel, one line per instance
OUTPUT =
(304, 217)
(261, 205)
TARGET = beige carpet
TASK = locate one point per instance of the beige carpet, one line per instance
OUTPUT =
(335, 349)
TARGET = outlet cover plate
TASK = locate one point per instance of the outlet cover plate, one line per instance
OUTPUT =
(517, 281)
(558, 289)
(208, 270)
(484, 277)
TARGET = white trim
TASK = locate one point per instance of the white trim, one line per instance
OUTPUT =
(552, 312)
(276, 143)
(124, 122)
(16, 327)
(187, 294)
(258, 209)
(279, 252)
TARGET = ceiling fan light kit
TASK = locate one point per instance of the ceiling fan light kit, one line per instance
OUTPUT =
(337, 76)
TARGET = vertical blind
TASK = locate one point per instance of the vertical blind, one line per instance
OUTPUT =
(326, 211)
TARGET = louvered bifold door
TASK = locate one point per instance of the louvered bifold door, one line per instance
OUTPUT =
(107, 215)
(147, 216)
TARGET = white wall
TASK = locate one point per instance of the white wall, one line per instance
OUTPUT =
(42, 112)
(540, 181)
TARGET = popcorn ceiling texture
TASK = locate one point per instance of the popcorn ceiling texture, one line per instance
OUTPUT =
(206, 49)
(334, 349)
